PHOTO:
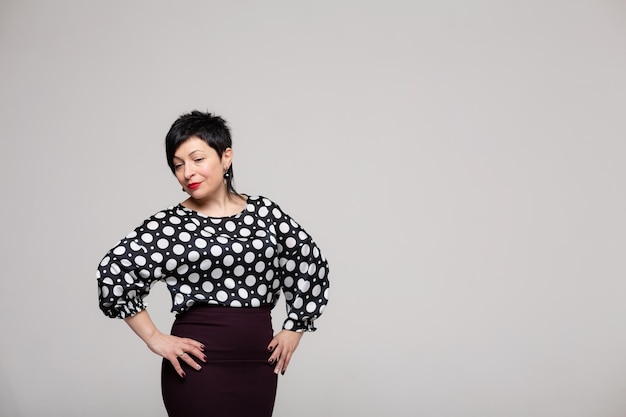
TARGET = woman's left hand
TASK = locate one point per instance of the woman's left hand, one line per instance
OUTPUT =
(282, 347)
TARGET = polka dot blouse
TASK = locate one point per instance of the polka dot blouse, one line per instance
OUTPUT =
(243, 260)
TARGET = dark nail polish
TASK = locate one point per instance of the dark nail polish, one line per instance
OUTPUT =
(184, 374)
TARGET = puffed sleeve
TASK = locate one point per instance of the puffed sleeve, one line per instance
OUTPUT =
(304, 273)
(126, 273)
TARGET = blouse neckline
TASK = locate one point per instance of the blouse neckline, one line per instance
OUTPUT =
(204, 216)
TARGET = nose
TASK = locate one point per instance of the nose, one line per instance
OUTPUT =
(188, 170)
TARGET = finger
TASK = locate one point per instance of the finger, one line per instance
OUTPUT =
(194, 343)
(286, 364)
(193, 350)
(275, 355)
(186, 357)
(177, 367)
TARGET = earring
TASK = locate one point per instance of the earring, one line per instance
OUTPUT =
(183, 189)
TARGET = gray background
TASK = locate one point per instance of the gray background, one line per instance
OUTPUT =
(461, 163)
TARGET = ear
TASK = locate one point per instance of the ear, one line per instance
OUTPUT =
(227, 157)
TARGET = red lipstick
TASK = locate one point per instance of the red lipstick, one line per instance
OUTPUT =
(193, 185)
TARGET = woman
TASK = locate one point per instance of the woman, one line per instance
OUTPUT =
(224, 257)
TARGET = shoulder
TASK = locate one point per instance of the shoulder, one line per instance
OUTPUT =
(158, 219)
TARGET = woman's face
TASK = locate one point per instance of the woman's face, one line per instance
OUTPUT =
(199, 169)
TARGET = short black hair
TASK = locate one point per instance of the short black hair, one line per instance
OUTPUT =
(210, 128)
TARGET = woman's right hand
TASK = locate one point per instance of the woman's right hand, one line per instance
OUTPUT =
(176, 349)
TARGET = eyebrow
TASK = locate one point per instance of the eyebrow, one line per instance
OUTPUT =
(190, 153)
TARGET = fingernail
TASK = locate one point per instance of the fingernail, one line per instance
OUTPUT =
(282, 373)
(276, 371)
(198, 367)
(184, 375)
(202, 347)
(270, 360)
(269, 348)
(204, 358)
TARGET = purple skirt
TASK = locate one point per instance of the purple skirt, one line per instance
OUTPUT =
(236, 381)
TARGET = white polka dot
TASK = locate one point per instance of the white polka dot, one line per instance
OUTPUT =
(305, 250)
(105, 292)
(171, 281)
(229, 283)
(152, 225)
(255, 302)
(107, 281)
(248, 257)
(168, 231)
(144, 273)
(248, 220)
(243, 293)
(304, 267)
(217, 273)
(193, 256)
(221, 296)
(239, 270)
(178, 299)
(185, 289)
(194, 277)
(228, 260)
(115, 269)
(235, 303)
(230, 226)
(259, 267)
(302, 235)
(200, 243)
(191, 227)
(136, 247)
(269, 274)
(174, 220)
(221, 239)
(297, 303)
(156, 257)
(290, 242)
(178, 249)
(237, 247)
(262, 290)
(290, 265)
(289, 325)
(129, 278)
(288, 282)
(182, 270)
(120, 250)
(147, 237)
(322, 272)
(317, 289)
(245, 232)
(163, 243)
(216, 250)
(207, 286)
(257, 244)
(126, 263)
(105, 261)
(250, 280)
(118, 290)
(312, 268)
(283, 227)
(316, 252)
(205, 265)
(184, 237)
(171, 265)
(263, 211)
(311, 307)
(269, 252)
(303, 285)
(140, 260)
(277, 213)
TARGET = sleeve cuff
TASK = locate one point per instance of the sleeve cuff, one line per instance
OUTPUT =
(304, 325)
(125, 309)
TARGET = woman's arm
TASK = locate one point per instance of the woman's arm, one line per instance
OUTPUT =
(167, 346)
